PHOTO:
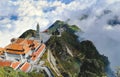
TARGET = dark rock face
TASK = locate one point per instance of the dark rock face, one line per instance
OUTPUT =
(92, 68)
(89, 49)
(93, 64)
(86, 60)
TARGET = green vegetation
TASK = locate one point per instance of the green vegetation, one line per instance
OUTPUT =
(74, 27)
(9, 72)
(86, 61)
(55, 26)
(61, 24)
(29, 33)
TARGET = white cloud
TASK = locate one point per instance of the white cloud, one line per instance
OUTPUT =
(105, 37)
(9, 26)
(81, 4)
(112, 1)
(27, 8)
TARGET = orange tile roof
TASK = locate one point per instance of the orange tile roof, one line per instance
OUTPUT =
(19, 40)
(14, 65)
(25, 67)
(5, 63)
(36, 43)
(15, 52)
(1, 50)
(26, 49)
(21, 46)
(30, 41)
(24, 41)
(37, 53)
(14, 46)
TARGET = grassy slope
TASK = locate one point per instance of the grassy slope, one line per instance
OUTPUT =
(9, 72)
(59, 24)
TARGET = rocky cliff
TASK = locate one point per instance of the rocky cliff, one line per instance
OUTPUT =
(74, 58)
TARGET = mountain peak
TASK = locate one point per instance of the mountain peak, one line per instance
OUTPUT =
(61, 24)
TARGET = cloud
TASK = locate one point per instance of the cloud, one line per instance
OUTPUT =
(105, 37)
(112, 1)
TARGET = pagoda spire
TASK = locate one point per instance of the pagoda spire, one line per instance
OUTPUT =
(38, 32)
(38, 29)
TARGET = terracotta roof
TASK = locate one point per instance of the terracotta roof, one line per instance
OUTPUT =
(24, 41)
(1, 50)
(5, 63)
(14, 65)
(37, 53)
(36, 43)
(15, 52)
(30, 41)
(14, 47)
(21, 46)
(25, 67)
(26, 49)
(19, 40)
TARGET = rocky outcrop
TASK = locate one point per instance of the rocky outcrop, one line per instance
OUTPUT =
(82, 60)
(86, 61)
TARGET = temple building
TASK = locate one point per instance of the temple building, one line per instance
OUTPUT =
(22, 53)
(21, 48)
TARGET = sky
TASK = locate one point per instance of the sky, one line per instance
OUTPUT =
(92, 16)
